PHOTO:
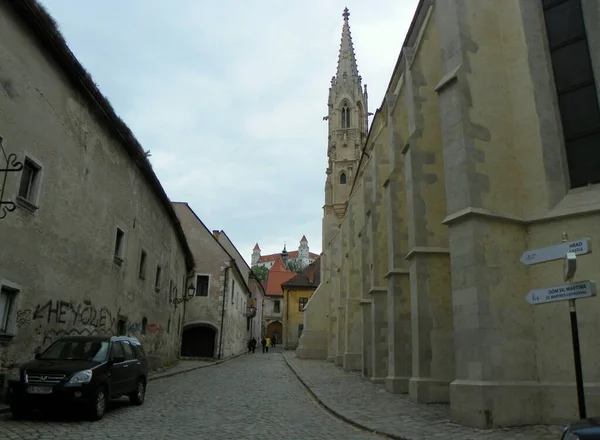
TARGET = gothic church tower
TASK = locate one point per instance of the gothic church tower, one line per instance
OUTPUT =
(348, 125)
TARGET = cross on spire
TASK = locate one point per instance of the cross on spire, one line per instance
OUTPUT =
(346, 14)
(347, 61)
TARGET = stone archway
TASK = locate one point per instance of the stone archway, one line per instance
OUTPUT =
(275, 329)
(199, 340)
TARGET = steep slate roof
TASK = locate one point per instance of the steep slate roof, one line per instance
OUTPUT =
(45, 30)
(278, 274)
(303, 279)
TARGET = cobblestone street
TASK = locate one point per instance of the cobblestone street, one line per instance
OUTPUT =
(250, 397)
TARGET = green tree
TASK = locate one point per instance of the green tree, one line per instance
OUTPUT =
(260, 272)
(295, 265)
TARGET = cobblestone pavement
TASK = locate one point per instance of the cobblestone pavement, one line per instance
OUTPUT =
(250, 397)
(354, 397)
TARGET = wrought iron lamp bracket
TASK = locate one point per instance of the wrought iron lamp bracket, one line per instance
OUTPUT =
(11, 164)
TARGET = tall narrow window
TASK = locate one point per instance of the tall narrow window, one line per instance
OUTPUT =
(345, 116)
(142, 270)
(119, 239)
(575, 89)
(30, 179)
(201, 285)
(276, 307)
(6, 308)
(232, 289)
(343, 179)
(157, 279)
(302, 301)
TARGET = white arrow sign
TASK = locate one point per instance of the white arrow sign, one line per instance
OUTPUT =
(581, 289)
(556, 252)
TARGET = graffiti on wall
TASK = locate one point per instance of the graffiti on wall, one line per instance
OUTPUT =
(51, 334)
(75, 314)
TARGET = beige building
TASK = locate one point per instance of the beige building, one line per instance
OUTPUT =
(220, 317)
(483, 148)
(93, 245)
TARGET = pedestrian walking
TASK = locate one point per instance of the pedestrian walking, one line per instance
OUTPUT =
(268, 343)
(263, 342)
(253, 344)
(249, 346)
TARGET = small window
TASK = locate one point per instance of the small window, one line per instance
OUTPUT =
(232, 290)
(157, 279)
(276, 307)
(343, 179)
(142, 270)
(144, 325)
(201, 285)
(345, 116)
(119, 240)
(302, 303)
(7, 300)
(30, 181)
(169, 326)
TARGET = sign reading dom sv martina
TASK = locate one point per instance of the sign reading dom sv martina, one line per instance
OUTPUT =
(581, 289)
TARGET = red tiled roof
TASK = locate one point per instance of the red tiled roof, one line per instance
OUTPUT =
(291, 255)
(278, 274)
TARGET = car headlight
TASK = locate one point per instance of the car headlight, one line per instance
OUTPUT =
(14, 375)
(84, 376)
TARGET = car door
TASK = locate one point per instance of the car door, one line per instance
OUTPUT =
(131, 369)
(118, 369)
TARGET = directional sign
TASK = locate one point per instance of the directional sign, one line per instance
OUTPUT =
(581, 289)
(556, 252)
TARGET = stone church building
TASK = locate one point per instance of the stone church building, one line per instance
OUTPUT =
(485, 146)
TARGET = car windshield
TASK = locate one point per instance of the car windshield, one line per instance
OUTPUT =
(77, 350)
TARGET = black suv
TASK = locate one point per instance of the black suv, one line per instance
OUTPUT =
(81, 370)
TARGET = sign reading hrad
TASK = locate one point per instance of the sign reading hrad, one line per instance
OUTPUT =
(581, 289)
(556, 252)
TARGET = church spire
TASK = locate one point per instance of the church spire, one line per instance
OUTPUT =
(346, 60)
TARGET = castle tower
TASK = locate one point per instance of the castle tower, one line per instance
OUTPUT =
(303, 250)
(348, 125)
(255, 255)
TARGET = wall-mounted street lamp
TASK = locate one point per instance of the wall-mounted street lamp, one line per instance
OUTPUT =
(191, 291)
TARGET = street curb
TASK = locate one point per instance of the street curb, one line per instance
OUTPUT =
(6, 409)
(337, 414)
(175, 373)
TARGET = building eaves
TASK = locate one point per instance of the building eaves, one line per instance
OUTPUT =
(45, 30)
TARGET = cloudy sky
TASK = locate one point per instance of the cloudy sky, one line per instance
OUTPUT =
(229, 96)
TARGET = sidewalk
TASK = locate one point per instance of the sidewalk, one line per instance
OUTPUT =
(353, 398)
(183, 366)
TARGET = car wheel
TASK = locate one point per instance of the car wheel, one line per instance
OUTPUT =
(98, 404)
(137, 397)
(18, 411)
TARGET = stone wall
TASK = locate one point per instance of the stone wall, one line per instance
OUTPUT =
(464, 170)
(60, 261)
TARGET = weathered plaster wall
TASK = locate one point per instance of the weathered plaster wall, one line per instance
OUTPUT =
(59, 255)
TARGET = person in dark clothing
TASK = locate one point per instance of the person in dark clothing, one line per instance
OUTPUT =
(249, 346)
(263, 342)
(253, 344)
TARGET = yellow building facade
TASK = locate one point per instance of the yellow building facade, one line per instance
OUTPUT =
(296, 294)
(485, 146)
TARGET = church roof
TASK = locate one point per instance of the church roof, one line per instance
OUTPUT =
(278, 274)
(347, 58)
(303, 239)
(256, 247)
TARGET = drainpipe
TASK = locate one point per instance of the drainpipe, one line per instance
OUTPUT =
(223, 312)
(286, 332)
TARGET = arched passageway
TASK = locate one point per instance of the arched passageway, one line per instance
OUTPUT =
(274, 330)
(199, 341)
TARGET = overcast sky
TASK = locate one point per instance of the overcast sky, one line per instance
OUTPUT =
(229, 96)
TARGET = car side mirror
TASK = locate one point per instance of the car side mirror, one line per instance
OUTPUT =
(37, 355)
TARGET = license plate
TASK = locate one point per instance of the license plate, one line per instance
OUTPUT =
(39, 390)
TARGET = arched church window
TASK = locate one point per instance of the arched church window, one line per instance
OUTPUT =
(345, 116)
(343, 179)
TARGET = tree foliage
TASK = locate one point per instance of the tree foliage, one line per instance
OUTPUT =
(260, 272)
(295, 265)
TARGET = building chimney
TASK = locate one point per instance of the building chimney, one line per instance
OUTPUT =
(216, 234)
(311, 273)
